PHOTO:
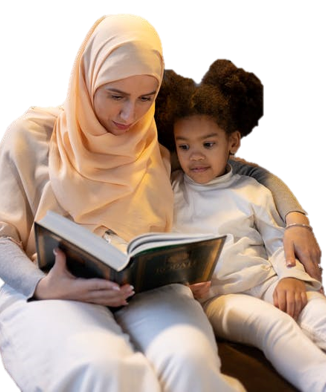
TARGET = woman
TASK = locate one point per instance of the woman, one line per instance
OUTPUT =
(97, 161)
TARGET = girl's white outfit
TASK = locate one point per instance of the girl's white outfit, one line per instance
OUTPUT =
(240, 304)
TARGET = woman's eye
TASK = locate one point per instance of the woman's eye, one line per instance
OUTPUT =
(146, 99)
(116, 97)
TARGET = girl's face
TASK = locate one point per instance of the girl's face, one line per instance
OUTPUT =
(120, 104)
(203, 148)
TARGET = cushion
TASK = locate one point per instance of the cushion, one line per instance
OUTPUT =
(250, 366)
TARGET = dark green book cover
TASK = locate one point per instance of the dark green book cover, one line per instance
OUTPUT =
(161, 264)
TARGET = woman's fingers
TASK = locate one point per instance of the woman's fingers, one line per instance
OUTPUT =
(61, 284)
(300, 243)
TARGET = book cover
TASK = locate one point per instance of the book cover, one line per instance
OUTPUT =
(159, 259)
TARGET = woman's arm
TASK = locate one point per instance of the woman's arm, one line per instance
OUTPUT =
(20, 273)
(284, 199)
(17, 269)
(23, 174)
(299, 241)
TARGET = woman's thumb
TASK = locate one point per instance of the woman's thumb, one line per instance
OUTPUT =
(60, 259)
(289, 255)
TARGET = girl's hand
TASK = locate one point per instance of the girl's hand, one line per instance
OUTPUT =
(200, 290)
(290, 296)
(59, 283)
(300, 242)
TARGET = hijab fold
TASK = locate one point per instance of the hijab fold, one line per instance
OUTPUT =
(102, 180)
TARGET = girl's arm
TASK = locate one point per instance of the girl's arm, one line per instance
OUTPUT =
(299, 241)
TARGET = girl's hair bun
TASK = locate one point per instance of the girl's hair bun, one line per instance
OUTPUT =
(230, 95)
(243, 90)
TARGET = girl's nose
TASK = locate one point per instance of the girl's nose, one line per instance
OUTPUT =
(197, 156)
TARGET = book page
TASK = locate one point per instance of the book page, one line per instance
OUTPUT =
(154, 240)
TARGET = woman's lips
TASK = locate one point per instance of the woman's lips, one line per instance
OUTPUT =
(122, 127)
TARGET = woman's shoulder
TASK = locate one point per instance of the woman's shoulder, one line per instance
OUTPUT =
(30, 131)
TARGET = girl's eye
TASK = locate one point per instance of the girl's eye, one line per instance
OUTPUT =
(183, 147)
(209, 144)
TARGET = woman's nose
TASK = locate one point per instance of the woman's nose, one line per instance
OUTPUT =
(128, 112)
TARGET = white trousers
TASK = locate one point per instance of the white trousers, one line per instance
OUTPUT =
(296, 349)
(162, 341)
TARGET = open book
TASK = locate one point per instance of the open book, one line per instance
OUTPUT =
(147, 261)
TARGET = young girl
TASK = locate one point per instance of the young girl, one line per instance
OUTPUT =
(253, 297)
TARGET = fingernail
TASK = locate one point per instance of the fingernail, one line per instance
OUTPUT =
(289, 264)
(131, 293)
(116, 288)
(55, 252)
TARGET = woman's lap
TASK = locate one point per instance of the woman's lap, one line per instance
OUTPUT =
(61, 345)
(43, 341)
(181, 346)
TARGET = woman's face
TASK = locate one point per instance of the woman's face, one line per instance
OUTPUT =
(120, 104)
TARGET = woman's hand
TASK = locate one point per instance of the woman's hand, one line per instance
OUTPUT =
(61, 284)
(290, 296)
(300, 242)
(200, 290)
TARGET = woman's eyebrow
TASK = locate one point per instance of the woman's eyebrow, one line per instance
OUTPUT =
(151, 93)
(116, 90)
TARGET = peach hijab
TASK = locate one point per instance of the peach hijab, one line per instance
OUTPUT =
(106, 181)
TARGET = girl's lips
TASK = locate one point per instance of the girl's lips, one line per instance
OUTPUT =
(199, 169)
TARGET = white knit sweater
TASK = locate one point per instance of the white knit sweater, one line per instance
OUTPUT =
(244, 210)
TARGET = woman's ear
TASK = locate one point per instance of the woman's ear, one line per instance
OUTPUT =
(234, 142)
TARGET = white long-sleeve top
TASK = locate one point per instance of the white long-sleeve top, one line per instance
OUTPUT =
(244, 210)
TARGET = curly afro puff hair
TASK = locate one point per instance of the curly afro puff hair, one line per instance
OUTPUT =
(232, 96)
